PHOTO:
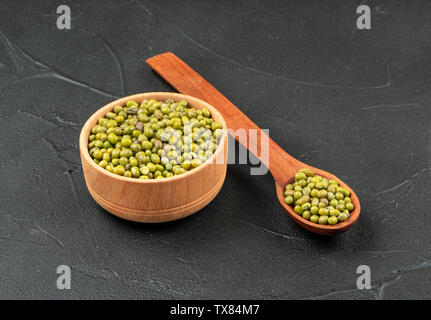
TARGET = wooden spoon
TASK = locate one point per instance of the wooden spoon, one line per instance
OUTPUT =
(281, 165)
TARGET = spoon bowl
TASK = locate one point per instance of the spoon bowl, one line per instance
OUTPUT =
(314, 227)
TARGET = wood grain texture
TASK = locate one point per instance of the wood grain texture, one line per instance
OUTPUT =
(154, 200)
(281, 165)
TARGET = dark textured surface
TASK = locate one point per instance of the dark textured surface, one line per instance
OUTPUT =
(356, 103)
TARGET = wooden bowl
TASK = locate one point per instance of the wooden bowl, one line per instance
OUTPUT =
(154, 200)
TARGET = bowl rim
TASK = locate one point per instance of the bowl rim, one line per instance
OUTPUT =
(85, 132)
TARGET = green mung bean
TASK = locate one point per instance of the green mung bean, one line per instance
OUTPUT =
(318, 199)
(155, 139)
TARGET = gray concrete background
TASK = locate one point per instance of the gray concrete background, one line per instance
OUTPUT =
(356, 103)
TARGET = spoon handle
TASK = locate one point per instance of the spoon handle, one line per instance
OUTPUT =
(187, 81)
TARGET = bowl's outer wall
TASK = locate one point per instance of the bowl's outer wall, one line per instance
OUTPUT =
(154, 201)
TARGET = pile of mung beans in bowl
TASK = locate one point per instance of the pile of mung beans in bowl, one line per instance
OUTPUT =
(164, 132)
(318, 199)
(153, 139)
